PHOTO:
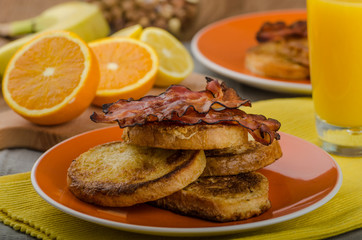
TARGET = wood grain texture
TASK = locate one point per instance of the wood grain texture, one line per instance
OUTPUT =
(15, 131)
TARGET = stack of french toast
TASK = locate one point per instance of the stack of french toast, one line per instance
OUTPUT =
(194, 153)
(282, 51)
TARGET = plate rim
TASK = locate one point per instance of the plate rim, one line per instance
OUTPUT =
(186, 232)
(255, 81)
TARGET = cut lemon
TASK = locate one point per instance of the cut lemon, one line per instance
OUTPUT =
(175, 61)
(128, 69)
(133, 31)
(52, 79)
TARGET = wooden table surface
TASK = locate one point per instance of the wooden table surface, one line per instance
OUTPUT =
(21, 159)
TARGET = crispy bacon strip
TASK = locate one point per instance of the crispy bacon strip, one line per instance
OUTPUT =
(175, 100)
(279, 30)
(217, 104)
(262, 129)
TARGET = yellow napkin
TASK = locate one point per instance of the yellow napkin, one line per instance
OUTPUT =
(22, 209)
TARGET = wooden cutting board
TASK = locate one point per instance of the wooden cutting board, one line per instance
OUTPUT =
(15, 131)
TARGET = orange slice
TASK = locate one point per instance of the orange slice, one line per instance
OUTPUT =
(52, 79)
(128, 69)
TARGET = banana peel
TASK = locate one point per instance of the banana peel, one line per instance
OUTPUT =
(84, 19)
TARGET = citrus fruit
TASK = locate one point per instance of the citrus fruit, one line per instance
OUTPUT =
(128, 69)
(133, 31)
(51, 79)
(175, 61)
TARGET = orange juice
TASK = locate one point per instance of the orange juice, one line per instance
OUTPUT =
(335, 43)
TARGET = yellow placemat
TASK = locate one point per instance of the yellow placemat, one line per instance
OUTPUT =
(22, 209)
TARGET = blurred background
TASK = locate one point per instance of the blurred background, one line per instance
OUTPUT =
(181, 17)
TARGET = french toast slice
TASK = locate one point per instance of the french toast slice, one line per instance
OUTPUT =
(221, 198)
(280, 59)
(117, 174)
(194, 137)
(246, 158)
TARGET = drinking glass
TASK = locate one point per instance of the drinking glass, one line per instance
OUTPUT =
(335, 48)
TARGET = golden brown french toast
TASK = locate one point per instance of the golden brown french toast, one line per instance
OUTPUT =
(246, 158)
(162, 158)
(287, 59)
(118, 174)
(221, 198)
(171, 136)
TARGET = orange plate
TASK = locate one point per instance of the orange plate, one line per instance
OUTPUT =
(295, 189)
(221, 47)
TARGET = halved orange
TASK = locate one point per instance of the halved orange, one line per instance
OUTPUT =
(128, 69)
(52, 79)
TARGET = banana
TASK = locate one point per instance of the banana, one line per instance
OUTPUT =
(82, 18)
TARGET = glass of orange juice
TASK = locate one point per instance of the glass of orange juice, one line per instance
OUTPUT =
(335, 45)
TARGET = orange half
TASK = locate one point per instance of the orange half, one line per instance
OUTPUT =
(128, 69)
(52, 79)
